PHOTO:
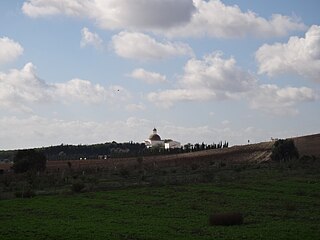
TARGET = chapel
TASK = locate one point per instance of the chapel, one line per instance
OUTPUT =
(155, 141)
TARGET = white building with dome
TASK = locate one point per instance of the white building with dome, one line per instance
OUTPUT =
(155, 140)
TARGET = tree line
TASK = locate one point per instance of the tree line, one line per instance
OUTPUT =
(110, 150)
(35, 159)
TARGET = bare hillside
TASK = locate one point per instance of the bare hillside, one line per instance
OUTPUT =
(308, 145)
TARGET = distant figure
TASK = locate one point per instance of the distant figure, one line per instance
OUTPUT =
(248, 141)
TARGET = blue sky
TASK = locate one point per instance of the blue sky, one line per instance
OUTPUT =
(82, 72)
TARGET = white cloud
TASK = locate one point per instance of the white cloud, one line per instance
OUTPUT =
(140, 46)
(89, 38)
(279, 101)
(167, 98)
(9, 50)
(216, 73)
(148, 77)
(133, 107)
(41, 8)
(225, 122)
(20, 88)
(170, 17)
(212, 78)
(81, 90)
(215, 78)
(299, 56)
(84, 91)
(215, 19)
(38, 131)
(143, 14)
(209, 134)
(117, 14)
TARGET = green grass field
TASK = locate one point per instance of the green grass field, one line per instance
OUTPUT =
(275, 205)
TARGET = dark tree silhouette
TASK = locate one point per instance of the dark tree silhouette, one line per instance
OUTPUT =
(29, 160)
(284, 150)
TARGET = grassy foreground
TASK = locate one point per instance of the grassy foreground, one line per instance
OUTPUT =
(276, 205)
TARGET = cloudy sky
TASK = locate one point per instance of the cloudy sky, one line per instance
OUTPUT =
(92, 71)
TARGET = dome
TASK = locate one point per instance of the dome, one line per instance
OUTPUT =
(154, 136)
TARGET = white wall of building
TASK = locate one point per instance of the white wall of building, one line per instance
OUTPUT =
(172, 144)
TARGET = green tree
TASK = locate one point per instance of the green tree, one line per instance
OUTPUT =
(284, 150)
(29, 160)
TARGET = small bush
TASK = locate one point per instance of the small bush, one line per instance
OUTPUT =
(284, 150)
(301, 192)
(226, 219)
(194, 166)
(29, 193)
(140, 160)
(77, 186)
(289, 206)
(124, 173)
(307, 159)
(238, 168)
(207, 175)
(222, 164)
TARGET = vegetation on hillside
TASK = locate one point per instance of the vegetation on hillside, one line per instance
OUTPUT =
(111, 150)
(29, 160)
(284, 150)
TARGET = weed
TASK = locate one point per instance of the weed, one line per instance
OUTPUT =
(194, 166)
(301, 192)
(289, 206)
(226, 219)
(207, 175)
(77, 186)
(124, 173)
(28, 193)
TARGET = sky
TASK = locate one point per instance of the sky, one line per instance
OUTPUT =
(95, 71)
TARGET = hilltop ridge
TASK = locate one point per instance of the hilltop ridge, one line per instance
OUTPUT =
(250, 153)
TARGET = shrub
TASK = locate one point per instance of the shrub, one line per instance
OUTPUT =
(69, 164)
(207, 175)
(307, 159)
(194, 166)
(140, 160)
(289, 206)
(226, 219)
(124, 172)
(284, 150)
(28, 193)
(223, 164)
(29, 159)
(77, 186)
(301, 192)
